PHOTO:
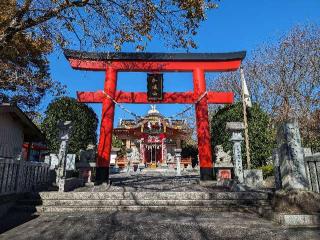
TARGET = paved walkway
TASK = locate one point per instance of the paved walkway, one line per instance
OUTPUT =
(152, 181)
(152, 225)
(145, 224)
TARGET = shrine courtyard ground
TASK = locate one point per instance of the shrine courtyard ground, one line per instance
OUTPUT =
(148, 224)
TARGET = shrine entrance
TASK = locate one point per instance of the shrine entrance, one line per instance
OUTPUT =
(153, 154)
(152, 145)
(197, 63)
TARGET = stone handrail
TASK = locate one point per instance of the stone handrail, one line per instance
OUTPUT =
(21, 176)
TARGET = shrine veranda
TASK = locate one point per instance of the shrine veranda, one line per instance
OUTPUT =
(197, 63)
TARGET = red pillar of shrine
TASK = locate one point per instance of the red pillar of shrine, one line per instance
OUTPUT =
(105, 140)
(203, 132)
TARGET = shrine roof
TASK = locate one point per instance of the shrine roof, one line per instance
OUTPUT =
(31, 132)
(153, 56)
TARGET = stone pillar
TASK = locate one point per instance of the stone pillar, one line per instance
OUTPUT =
(236, 129)
(64, 131)
(164, 151)
(177, 152)
(142, 151)
(291, 157)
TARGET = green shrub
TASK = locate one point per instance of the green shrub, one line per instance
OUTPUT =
(267, 171)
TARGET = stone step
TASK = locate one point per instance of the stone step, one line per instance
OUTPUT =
(131, 201)
(150, 196)
(144, 202)
(42, 209)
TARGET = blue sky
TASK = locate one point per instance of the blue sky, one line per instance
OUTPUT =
(234, 26)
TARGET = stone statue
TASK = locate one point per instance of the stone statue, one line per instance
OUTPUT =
(222, 157)
(170, 158)
(135, 156)
(88, 155)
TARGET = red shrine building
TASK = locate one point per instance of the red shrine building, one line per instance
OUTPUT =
(152, 140)
(155, 63)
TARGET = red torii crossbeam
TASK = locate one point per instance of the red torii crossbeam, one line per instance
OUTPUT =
(197, 63)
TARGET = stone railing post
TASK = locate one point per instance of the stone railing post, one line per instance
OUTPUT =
(236, 138)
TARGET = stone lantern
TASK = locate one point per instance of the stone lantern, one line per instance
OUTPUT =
(236, 129)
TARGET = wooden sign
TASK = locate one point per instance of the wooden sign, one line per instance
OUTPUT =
(155, 86)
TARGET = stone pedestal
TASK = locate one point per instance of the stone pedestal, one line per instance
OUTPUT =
(61, 184)
(189, 168)
(253, 177)
(178, 160)
(164, 166)
(291, 157)
(236, 129)
(223, 164)
(84, 171)
(141, 166)
(87, 163)
(224, 173)
(69, 184)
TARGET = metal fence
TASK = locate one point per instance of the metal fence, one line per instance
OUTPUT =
(313, 171)
(21, 176)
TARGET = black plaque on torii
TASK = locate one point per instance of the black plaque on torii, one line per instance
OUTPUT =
(155, 86)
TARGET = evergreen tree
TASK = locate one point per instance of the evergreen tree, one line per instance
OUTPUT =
(84, 121)
(261, 134)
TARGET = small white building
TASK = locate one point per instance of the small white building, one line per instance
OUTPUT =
(15, 129)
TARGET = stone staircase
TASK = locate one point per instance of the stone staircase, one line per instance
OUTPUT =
(250, 201)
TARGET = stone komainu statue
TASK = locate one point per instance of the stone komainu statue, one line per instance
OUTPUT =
(221, 155)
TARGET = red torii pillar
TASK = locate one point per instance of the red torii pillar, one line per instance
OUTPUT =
(203, 130)
(106, 128)
(112, 63)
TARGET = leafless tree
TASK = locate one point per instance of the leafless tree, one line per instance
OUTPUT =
(284, 78)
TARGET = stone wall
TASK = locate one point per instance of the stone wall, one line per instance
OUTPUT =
(21, 176)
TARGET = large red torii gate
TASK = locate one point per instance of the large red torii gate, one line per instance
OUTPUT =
(197, 63)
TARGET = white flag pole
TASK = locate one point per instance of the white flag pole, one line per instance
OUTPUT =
(244, 105)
